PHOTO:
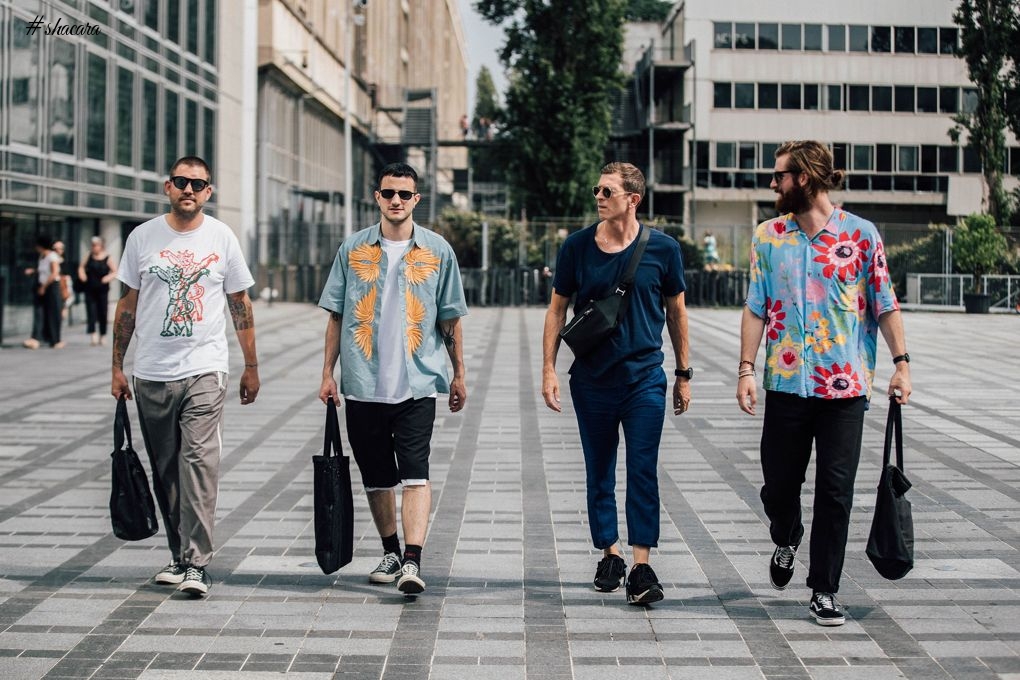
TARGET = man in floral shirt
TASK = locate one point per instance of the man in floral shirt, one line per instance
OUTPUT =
(819, 293)
(395, 300)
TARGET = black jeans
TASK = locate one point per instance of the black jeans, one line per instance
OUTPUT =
(792, 423)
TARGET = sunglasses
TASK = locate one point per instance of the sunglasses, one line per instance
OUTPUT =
(606, 192)
(389, 193)
(778, 175)
(182, 182)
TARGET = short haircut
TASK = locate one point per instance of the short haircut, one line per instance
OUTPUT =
(398, 170)
(813, 159)
(44, 241)
(194, 161)
(633, 179)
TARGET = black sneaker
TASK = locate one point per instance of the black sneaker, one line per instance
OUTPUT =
(170, 575)
(643, 585)
(196, 581)
(388, 569)
(781, 566)
(610, 574)
(826, 610)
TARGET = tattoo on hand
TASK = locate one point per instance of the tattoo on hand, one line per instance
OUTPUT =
(240, 313)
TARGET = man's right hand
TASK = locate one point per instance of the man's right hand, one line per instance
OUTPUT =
(120, 388)
(327, 390)
(551, 391)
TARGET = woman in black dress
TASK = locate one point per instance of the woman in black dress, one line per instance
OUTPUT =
(95, 272)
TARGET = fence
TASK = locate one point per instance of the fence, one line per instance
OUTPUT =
(1005, 290)
(938, 289)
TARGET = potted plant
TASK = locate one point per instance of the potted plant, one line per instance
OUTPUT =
(979, 248)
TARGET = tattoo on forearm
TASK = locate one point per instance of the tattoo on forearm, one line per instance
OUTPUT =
(336, 317)
(240, 313)
(123, 329)
(448, 339)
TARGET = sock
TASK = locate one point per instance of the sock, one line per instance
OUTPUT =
(391, 544)
(413, 553)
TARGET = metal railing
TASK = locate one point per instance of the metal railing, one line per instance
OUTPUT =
(1004, 289)
(938, 289)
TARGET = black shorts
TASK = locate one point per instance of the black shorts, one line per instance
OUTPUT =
(391, 442)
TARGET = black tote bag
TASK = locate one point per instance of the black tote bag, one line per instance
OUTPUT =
(334, 502)
(891, 542)
(132, 512)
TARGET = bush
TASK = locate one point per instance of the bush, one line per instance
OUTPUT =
(979, 248)
(923, 256)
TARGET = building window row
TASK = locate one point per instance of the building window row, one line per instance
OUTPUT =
(836, 38)
(846, 97)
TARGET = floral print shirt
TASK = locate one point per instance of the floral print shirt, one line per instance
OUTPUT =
(430, 291)
(821, 299)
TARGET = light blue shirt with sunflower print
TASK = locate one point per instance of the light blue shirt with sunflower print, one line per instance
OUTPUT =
(430, 291)
(821, 299)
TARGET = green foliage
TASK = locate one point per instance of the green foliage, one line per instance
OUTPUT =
(486, 101)
(463, 230)
(647, 10)
(922, 255)
(564, 62)
(488, 163)
(979, 248)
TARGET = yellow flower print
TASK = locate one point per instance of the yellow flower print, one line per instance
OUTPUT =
(364, 313)
(415, 316)
(820, 341)
(421, 264)
(785, 357)
(364, 260)
(776, 231)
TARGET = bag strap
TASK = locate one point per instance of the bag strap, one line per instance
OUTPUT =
(628, 275)
(121, 426)
(331, 444)
(893, 426)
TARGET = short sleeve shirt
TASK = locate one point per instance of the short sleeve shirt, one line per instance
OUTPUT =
(430, 291)
(821, 299)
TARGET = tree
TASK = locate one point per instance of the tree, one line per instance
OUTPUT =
(986, 31)
(647, 10)
(564, 62)
(979, 248)
(487, 163)
(486, 100)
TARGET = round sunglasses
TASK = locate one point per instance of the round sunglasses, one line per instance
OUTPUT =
(182, 182)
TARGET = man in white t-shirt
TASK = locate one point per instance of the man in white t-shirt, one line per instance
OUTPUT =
(180, 271)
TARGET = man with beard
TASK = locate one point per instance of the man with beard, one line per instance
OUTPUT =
(819, 292)
(177, 270)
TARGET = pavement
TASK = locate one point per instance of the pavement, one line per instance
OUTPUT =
(508, 559)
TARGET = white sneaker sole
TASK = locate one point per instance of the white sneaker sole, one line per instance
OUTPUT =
(382, 578)
(410, 585)
(828, 622)
(193, 588)
(168, 579)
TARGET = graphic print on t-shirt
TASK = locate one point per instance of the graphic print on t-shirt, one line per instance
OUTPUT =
(185, 293)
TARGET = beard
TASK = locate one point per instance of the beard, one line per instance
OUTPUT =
(794, 201)
(185, 213)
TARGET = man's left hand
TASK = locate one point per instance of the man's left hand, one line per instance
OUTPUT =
(681, 396)
(899, 384)
(250, 385)
(458, 395)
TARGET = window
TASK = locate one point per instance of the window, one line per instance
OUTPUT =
(971, 160)
(863, 157)
(834, 98)
(880, 39)
(192, 22)
(768, 96)
(24, 125)
(748, 161)
(744, 36)
(1014, 161)
(725, 155)
(723, 34)
(970, 100)
(811, 97)
(743, 95)
(839, 155)
(837, 38)
(210, 31)
(881, 98)
(63, 76)
(125, 112)
(723, 95)
(191, 131)
(949, 159)
(148, 124)
(927, 41)
(929, 159)
(908, 159)
(883, 157)
(768, 36)
(948, 40)
(859, 38)
(768, 155)
(95, 126)
(150, 14)
(170, 127)
(790, 95)
(949, 99)
(791, 36)
(209, 135)
(904, 98)
(927, 100)
(857, 99)
(813, 37)
(903, 39)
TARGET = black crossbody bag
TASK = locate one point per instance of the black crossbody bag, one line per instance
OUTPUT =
(598, 320)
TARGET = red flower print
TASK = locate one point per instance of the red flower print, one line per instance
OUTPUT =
(838, 383)
(779, 227)
(774, 316)
(878, 269)
(843, 255)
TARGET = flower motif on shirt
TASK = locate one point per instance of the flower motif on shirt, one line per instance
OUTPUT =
(838, 382)
(842, 254)
(364, 260)
(414, 319)
(364, 314)
(878, 269)
(820, 339)
(785, 358)
(775, 315)
(421, 264)
(814, 290)
(777, 231)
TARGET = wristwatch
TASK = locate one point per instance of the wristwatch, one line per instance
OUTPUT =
(901, 357)
(684, 373)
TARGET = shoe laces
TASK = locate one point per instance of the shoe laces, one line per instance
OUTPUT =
(410, 568)
(605, 568)
(193, 574)
(785, 556)
(826, 601)
(389, 561)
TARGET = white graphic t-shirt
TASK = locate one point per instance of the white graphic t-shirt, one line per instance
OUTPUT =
(182, 279)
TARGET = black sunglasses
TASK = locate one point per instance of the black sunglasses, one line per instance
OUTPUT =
(778, 175)
(403, 193)
(605, 191)
(182, 182)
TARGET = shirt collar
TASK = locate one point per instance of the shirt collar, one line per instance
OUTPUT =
(829, 226)
(417, 235)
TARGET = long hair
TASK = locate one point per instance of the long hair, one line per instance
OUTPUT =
(813, 159)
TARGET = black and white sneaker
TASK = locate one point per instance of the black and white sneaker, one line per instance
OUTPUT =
(170, 575)
(610, 574)
(388, 569)
(410, 582)
(826, 610)
(643, 585)
(781, 566)
(196, 582)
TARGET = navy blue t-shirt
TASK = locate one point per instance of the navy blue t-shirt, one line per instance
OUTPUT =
(635, 349)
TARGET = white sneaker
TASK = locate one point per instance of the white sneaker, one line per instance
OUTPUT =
(410, 583)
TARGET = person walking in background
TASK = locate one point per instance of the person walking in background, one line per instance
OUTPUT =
(711, 251)
(395, 300)
(622, 381)
(179, 273)
(819, 293)
(95, 272)
(47, 304)
(67, 298)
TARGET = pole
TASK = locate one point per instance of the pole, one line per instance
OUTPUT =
(348, 136)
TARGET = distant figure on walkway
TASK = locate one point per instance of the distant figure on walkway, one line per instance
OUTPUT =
(711, 251)
(180, 378)
(819, 293)
(47, 303)
(622, 381)
(395, 299)
(95, 272)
